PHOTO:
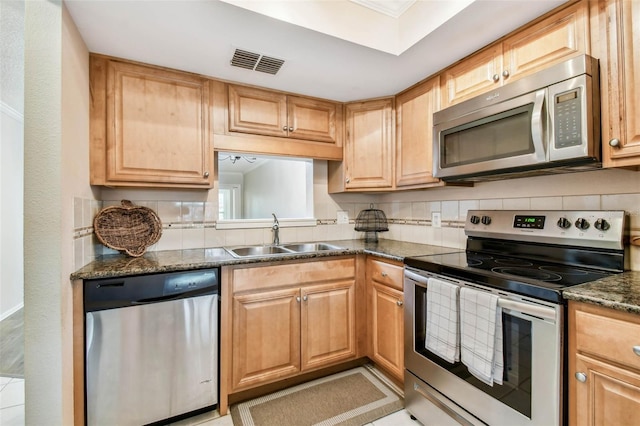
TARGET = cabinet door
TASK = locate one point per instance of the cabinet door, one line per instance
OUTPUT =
(265, 337)
(369, 145)
(620, 78)
(414, 134)
(328, 324)
(387, 328)
(477, 74)
(609, 396)
(561, 36)
(157, 127)
(312, 119)
(256, 111)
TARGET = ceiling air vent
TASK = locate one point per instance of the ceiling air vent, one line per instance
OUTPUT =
(255, 61)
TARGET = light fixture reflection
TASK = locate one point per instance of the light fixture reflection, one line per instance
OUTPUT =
(234, 158)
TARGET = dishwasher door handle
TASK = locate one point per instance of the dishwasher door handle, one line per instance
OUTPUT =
(174, 296)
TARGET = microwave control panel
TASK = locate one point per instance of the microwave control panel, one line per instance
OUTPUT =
(567, 118)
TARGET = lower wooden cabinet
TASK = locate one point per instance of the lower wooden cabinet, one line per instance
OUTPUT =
(287, 318)
(386, 316)
(604, 366)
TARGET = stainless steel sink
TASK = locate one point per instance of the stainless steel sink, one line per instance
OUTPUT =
(311, 247)
(258, 251)
(255, 251)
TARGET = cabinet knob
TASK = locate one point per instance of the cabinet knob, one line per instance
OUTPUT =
(298, 299)
(206, 174)
(384, 274)
(347, 180)
(399, 303)
(496, 77)
(614, 142)
(305, 298)
(581, 377)
(636, 350)
(284, 128)
(291, 129)
(505, 73)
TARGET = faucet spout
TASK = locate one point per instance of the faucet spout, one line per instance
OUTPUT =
(276, 230)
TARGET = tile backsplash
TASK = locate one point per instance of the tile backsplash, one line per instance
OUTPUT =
(192, 225)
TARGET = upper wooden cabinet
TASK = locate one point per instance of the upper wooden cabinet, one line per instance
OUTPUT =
(149, 127)
(249, 119)
(604, 366)
(414, 135)
(368, 152)
(619, 80)
(563, 35)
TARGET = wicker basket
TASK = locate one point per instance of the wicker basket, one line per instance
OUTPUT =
(128, 228)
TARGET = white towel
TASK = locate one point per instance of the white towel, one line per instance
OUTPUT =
(481, 335)
(443, 338)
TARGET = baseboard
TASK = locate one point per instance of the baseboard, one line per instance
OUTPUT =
(11, 311)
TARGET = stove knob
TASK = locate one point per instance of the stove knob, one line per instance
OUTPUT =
(602, 225)
(582, 224)
(486, 220)
(474, 219)
(564, 223)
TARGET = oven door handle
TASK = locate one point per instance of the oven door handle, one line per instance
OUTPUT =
(416, 277)
(528, 309)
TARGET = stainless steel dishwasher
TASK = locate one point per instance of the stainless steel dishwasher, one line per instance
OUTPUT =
(151, 347)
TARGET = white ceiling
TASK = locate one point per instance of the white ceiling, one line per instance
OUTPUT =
(333, 49)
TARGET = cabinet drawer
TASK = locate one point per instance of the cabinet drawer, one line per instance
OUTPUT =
(610, 338)
(386, 273)
(292, 274)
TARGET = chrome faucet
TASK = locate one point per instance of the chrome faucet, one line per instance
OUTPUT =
(276, 230)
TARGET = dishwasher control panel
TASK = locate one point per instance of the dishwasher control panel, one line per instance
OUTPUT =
(190, 281)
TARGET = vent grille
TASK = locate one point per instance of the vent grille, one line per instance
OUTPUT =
(255, 61)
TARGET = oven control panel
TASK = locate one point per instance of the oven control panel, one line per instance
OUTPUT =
(586, 228)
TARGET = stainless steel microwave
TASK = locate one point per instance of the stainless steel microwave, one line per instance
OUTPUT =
(548, 122)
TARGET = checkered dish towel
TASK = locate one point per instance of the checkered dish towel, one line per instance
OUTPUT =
(481, 335)
(443, 338)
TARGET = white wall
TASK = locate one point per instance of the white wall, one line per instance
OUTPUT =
(56, 172)
(274, 187)
(11, 156)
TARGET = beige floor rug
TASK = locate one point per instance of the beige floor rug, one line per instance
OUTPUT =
(354, 397)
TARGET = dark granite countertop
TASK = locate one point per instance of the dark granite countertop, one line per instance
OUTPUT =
(620, 292)
(119, 265)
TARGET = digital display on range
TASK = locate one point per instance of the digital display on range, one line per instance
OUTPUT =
(533, 222)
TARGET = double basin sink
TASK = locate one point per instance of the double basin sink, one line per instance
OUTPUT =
(254, 251)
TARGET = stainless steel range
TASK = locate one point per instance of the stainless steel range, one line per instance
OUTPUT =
(513, 271)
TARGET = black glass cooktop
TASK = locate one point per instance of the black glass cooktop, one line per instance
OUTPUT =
(543, 280)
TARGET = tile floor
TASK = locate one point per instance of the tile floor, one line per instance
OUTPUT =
(11, 401)
(12, 410)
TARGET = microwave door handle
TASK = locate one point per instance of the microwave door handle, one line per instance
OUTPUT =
(537, 126)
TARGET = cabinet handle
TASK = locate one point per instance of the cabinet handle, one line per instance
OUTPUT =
(614, 142)
(284, 128)
(581, 377)
(206, 174)
(496, 77)
(348, 180)
(305, 298)
(298, 299)
(636, 350)
(384, 274)
(291, 129)
(505, 73)
(399, 303)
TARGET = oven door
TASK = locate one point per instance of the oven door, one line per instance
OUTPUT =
(532, 384)
(502, 136)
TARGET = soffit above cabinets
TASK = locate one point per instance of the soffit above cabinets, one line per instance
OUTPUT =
(334, 49)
